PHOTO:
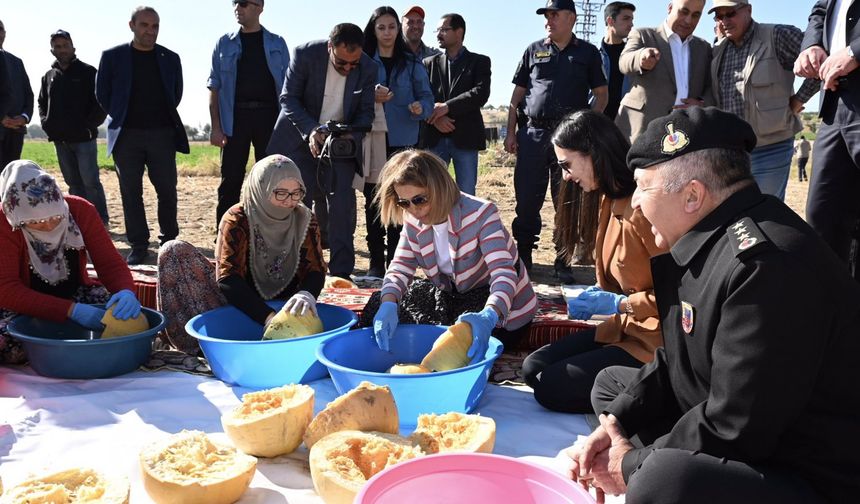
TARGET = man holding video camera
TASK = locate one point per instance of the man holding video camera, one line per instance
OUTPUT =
(326, 104)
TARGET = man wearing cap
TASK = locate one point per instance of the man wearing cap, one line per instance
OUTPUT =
(554, 77)
(20, 106)
(754, 397)
(247, 75)
(830, 50)
(71, 116)
(461, 86)
(139, 85)
(752, 77)
(413, 31)
(668, 66)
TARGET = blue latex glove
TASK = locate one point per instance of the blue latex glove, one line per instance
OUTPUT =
(482, 324)
(88, 316)
(127, 305)
(385, 323)
(594, 301)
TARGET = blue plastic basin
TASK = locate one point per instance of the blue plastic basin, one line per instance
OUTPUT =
(354, 357)
(68, 350)
(231, 342)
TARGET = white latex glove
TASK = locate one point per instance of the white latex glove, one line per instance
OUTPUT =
(301, 303)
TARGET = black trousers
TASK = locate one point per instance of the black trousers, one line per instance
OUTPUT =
(562, 373)
(250, 126)
(801, 169)
(670, 475)
(10, 147)
(536, 168)
(152, 150)
(381, 240)
(833, 205)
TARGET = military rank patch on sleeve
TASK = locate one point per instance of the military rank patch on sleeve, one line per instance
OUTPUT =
(745, 235)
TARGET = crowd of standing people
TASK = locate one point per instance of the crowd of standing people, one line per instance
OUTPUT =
(667, 159)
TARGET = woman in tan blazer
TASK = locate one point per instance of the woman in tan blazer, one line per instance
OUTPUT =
(591, 153)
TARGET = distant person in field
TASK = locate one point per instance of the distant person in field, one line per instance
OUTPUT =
(71, 116)
(461, 86)
(246, 78)
(139, 85)
(413, 31)
(802, 150)
(618, 17)
(549, 87)
(20, 107)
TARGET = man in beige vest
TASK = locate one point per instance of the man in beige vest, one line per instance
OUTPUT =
(668, 68)
(751, 76)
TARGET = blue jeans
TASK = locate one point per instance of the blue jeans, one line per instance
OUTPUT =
(80, 167)
(770, 167)
(465, 163)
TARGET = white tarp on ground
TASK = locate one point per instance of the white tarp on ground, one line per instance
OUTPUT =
(53, 424)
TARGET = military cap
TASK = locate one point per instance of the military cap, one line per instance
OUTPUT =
(687, 130)
(557, 5)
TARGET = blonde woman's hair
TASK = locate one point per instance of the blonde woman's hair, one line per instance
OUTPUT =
(417, 168)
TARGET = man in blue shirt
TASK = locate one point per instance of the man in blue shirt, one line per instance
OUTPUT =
(553, 79)
(248, 68)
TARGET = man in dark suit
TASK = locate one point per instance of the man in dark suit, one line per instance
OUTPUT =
(461, 86)
(829, 52)
(139, 85)
(328, 80)
(20, 107)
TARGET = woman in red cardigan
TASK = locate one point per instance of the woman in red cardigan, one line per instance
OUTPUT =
(45, 239)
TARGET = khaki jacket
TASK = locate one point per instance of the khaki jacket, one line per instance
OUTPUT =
(624, 247)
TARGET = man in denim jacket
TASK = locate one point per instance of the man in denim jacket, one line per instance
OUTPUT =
(248, 68)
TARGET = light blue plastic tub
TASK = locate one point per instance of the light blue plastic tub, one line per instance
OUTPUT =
(354, 357)
(231, 342)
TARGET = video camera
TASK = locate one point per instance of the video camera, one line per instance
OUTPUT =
(338, 144)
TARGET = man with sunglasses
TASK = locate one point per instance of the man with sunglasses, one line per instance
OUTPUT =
(248, 68)
(328, 80)
(751, 77)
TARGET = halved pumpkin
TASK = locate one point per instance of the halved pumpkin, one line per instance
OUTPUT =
(408, 369)
(72, 486)
(271, 422)
(285, 325)
(367, 407)
(115, 327)
(342, 462)
(455, 432)
(189, 468)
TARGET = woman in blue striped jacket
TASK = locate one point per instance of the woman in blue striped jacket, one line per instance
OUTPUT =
(473, 271)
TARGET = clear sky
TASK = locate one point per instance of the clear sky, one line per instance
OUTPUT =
(499, 29)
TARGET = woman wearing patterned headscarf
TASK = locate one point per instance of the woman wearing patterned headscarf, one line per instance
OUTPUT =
(45, 239)
(268, 247)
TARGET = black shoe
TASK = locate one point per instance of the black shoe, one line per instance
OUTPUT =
(375, 271)
(563, 272)
(526, 257)
(137, 256)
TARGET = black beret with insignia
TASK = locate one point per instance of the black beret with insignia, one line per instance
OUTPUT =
(688, 130)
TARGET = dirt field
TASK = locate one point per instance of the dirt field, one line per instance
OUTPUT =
(197, 199)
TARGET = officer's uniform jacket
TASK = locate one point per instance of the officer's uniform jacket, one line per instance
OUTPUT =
(761, 325)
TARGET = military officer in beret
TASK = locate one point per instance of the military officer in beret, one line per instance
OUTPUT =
(553, 79)
(755, 396)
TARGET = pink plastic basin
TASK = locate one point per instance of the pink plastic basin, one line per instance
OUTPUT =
(470, 478)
